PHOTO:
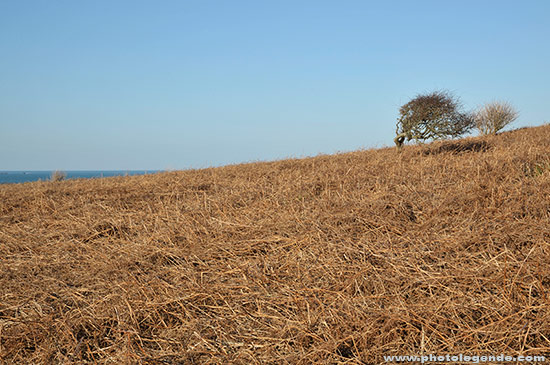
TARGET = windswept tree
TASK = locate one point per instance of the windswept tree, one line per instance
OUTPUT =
(437, 115)
(494, 116)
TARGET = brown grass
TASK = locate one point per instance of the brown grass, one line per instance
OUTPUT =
(441, 249)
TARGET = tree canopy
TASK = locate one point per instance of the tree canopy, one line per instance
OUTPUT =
(436, 115)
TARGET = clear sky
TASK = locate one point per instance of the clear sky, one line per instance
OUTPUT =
(189, 84)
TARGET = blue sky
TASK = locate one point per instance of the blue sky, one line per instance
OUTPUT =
(190, 84)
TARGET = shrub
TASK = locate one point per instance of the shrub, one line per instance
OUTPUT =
(494, 116)
(58, 176)
(436, 115)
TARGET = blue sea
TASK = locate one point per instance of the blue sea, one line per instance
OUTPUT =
(11, 177)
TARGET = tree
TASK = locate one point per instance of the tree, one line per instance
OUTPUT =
(494, 116)
(436, 115)
(58, 176)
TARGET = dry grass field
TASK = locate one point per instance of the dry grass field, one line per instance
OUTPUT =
(442, 249)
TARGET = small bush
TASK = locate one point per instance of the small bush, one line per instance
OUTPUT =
(58, 175)
(494, 116)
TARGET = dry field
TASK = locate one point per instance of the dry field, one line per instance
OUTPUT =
(442, 249)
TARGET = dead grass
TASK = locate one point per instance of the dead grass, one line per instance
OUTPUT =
(441, 249)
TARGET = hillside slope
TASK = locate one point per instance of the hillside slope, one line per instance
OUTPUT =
(441, 249)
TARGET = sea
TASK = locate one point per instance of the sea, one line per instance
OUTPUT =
(14, 177)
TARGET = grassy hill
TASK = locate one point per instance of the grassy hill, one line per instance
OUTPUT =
(442, 249)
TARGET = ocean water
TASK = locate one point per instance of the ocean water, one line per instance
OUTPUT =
(11, 177)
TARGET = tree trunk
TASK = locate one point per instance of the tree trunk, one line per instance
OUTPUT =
(399, 141)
